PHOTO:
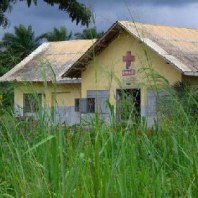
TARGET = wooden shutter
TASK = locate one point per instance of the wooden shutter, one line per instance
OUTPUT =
(101, 99)
(155, 98)
(83, 105)
(103, 105)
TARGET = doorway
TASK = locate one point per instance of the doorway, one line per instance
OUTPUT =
(128, 105)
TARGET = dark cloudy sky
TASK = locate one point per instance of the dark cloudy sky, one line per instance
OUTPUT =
(167, 12)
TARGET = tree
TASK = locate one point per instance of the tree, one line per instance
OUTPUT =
(89, 33)
(56, 34)
(77, 11)
(15, 47)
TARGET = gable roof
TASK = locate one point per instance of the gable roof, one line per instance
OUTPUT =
(176, 45)
(48, 62)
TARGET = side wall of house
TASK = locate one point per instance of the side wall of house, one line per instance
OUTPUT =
(105, 71)
(191, 79)
(58, 99)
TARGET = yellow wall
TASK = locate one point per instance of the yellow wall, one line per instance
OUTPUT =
(192, 79)
(61, 94)
(105, 71)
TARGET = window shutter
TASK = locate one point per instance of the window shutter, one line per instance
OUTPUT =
(101, 98)
(102, 105)
(87, 105)
(83, 105)
(152, 102)
(151, 112)
(155, 100)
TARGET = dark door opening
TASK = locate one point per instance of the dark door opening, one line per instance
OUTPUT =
(128, 105)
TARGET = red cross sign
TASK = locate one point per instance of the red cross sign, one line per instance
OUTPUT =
(129, 58)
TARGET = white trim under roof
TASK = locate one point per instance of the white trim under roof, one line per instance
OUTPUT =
(191, 74)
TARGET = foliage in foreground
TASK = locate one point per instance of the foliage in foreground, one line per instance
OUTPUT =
(38, 160)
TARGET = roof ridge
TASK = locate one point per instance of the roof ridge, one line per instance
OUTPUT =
(156, 24)
(73, 40)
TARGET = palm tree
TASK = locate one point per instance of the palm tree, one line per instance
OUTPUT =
(13, 48)
(60, 34)
(20, 44)
(89, 33)
(77, 11)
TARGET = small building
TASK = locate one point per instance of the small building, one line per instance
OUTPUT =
(38, 83)
(130, 59)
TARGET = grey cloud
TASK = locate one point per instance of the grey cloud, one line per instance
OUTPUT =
(164, 2)
(104, 3)
(43, 17)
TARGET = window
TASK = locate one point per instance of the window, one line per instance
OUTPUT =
(77, 105)
(85, 105)
(91, 105)
(32, 102)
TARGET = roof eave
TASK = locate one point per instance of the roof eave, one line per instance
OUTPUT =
(98, 45)
(76, 68)
(62, 81)
(194, 74)
(157, 49)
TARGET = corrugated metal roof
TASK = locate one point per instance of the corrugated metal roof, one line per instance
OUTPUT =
(60, 60)
(49, 61)
(177, 45)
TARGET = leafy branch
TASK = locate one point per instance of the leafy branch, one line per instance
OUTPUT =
(77, 11)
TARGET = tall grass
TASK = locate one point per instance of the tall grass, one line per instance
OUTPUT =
(38, 160)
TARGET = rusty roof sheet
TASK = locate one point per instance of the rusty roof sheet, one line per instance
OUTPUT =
(177, 45)
(48, 62)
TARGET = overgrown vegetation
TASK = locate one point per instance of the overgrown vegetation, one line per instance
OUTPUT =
(40, 160)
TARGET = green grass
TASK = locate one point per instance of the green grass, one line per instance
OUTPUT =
(38, 160)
